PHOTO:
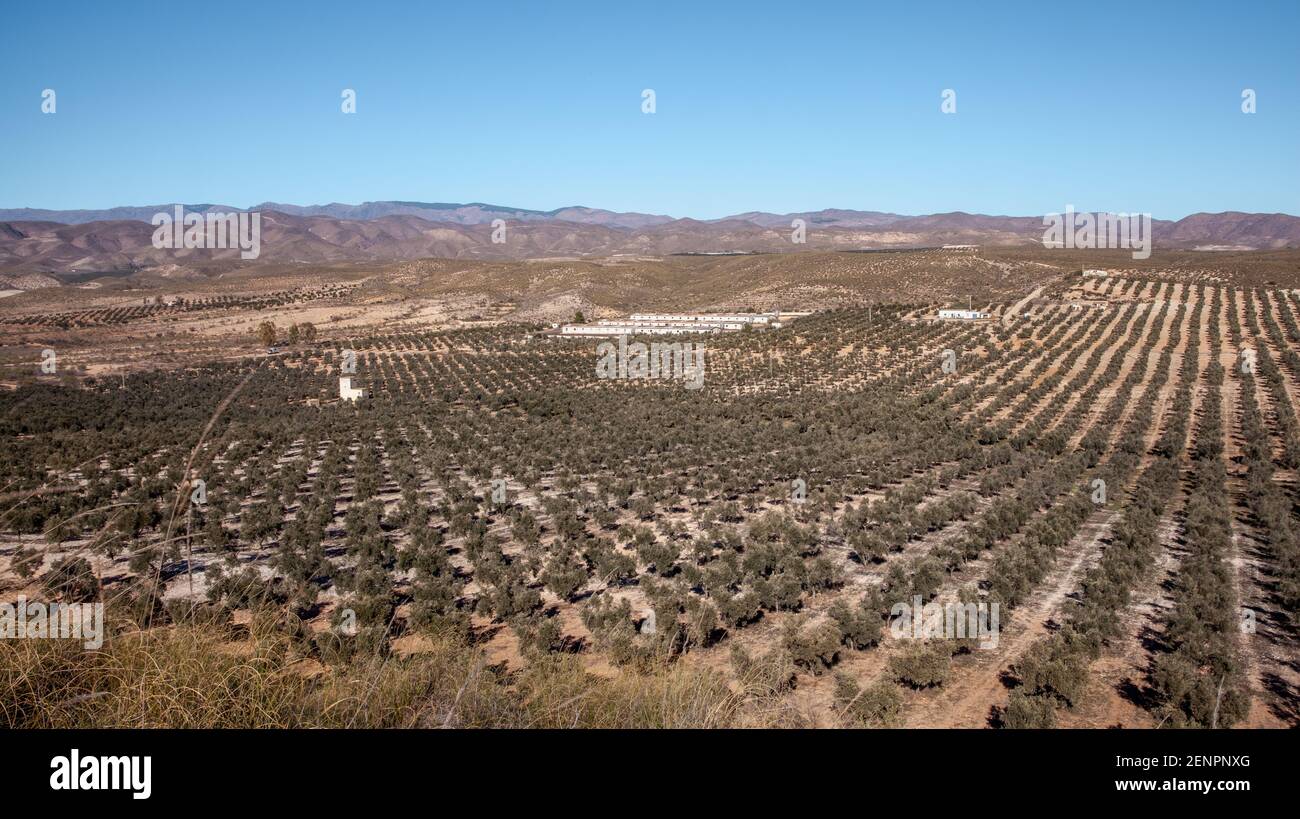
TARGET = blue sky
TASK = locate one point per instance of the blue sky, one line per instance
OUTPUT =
(780, 107)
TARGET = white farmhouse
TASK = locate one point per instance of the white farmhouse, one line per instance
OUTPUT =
(348, 392)
(962, 314)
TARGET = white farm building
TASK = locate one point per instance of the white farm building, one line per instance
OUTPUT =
(348, 392)
(659, 324)
(704, 318)
(962, 314)
(629, 328)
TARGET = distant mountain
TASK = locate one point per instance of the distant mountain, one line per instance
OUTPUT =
(831, 217)
(79, 217)
(78, 242)
(1233, 228)
(472, 213)
(110, 246)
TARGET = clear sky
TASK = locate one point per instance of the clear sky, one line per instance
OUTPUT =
(781, 107)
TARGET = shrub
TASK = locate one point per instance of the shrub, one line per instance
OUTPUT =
(1029, 711)
(815, 648)
(71, 580)
(924, 666)
(1052, 669)
(859, 625)
(877, 706)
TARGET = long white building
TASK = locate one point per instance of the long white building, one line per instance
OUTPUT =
(703, 325)
(962, 314)
(672, 324)
(729, 318)
(641, 328)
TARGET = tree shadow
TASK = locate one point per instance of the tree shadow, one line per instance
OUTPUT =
(1140, 694)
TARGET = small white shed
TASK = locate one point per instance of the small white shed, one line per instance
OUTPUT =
(348, 392)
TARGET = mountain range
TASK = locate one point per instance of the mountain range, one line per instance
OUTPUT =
(119, 239)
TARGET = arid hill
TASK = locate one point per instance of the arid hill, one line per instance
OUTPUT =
(120, 239)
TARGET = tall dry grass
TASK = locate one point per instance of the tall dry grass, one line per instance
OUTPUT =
(200, 676)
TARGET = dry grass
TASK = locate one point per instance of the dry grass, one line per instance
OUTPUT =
(196, 676)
